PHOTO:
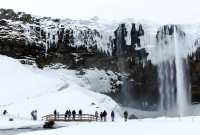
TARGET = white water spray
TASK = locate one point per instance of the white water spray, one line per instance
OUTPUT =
(170, 56)
(167, 87)
(181, 81)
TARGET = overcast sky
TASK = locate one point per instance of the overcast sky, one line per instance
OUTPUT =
(161, 11)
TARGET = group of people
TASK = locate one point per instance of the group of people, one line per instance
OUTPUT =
(34, 115)
(5, 112)
(68, 114)
(102, 116)
(71, 115)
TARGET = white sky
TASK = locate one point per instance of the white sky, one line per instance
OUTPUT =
(161, 11)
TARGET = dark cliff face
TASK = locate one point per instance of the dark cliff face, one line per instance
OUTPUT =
(59, 45)
(140, 86)
(194, 63)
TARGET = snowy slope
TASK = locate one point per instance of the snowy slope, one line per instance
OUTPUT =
(72, 97)
(46, 90)
(18, 82)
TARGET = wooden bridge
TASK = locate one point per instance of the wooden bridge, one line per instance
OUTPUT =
(61, 117)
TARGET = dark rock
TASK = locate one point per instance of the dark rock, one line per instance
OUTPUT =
(132, 116)
(3, 23)
(11, 119)
(194, 63)
(49, 124)
(135, 40)
(119, 41)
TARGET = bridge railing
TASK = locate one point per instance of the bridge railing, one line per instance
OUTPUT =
(61, 117)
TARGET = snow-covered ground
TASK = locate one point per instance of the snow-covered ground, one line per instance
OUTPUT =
(161, 126)
(18, 123)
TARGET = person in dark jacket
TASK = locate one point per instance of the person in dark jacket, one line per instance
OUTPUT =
(32, 115)
(35, 115)
(104, 115)
(96, 115)
(125, 115)
(66, 114)
(80, 113)
(101, 116)
(112, 115)
(55, 114)
(69, 114)
(73, 114)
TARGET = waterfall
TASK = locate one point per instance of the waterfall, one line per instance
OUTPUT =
(167, 87)
(181, 77)
(172, 71)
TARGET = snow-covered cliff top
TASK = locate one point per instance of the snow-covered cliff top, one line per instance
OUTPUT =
(94, 33)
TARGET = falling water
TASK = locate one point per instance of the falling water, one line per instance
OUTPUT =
(181, 78)
(172, 72)
(167, 87)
